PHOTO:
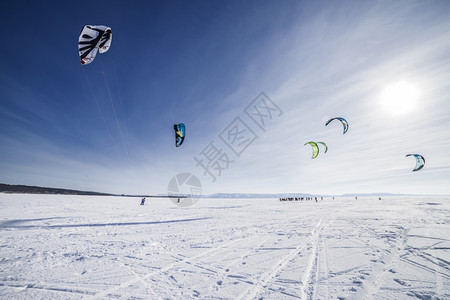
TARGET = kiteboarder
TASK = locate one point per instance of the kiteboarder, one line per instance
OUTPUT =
(143, 201)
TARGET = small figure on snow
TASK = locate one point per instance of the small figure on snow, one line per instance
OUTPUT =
(143, 201)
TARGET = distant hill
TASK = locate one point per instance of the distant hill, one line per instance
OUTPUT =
(250, 195)
(290, 195)
(25, 189)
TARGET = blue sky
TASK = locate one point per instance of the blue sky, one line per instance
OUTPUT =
(108, 126)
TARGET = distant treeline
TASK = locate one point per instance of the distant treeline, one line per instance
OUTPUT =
(25, 189)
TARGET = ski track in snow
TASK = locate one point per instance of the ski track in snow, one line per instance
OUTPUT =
(74, 247)
(281, 264)
(191, 261)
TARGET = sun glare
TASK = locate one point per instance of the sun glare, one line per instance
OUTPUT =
(400, 98)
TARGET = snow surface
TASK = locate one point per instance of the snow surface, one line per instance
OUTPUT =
(73, 247)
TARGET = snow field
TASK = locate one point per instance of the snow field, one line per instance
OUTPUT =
(88, 247)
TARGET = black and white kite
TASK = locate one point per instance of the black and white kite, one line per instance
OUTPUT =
(93, 39)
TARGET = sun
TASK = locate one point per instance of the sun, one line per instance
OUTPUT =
(400, 98)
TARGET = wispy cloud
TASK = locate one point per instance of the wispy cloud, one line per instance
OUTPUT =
(339, 68)
(316, 60)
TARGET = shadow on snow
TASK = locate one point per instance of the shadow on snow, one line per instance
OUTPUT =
(11, 223)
